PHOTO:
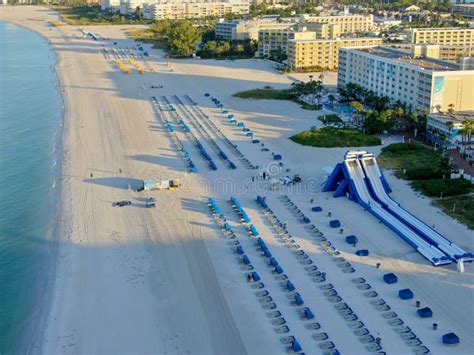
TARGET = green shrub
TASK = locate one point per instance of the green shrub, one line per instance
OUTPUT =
(331, 137)
(414, 162)
(449, 187)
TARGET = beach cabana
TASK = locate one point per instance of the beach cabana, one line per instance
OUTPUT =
(362, 252)
(425, 312)
(351, 239)
(405, 294)
(245, 260)
(278, 269)
(390, 278)
(255, 276)
(450, 339)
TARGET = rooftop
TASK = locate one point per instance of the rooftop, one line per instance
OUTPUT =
(457, 117)
(341, 39)
(406, 57)
(436, 29)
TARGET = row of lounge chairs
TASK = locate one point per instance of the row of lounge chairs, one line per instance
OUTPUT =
(232, 146)
(378, 303)
(195, 122)
(157, 107)
(287, 286)
(173, 113)
(263, 295)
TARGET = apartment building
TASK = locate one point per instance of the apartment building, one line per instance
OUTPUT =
(449, 125)
(424, 83)
(436, 51)
(247, 29)
(109, 4)
(454, 36)
(182, 9)
(323, 30)
(307, 53)
(465, 10)
(277, 39)
(348, 23)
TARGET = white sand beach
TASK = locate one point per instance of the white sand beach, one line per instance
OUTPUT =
(163, 280)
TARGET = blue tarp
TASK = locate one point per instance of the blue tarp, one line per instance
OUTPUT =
(362, 252)
(335, 223)
(207, 94)
(390, 278)
(255, 141)
(405, 294)
(317, 209)
(277, 157)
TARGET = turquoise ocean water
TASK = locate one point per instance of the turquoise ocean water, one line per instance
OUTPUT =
(30, 120)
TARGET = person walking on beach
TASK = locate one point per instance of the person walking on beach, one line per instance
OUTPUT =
(249, 277)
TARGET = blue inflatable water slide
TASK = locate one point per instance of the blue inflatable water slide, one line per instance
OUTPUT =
(359, 178)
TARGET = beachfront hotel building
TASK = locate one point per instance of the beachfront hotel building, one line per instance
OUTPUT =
(449, 125)
(347, 23)
(247, 29)
(324, 53)
(436, 51)
(278, 39)
(453, 36)
(465, 10)
(423, 83)
(183, 9)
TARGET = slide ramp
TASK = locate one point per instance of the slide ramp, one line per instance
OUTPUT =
(357, 180)
(375, 180)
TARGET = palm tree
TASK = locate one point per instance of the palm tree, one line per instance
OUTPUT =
(451, 108)
(468, 126)
(359, 111)
(331, 99)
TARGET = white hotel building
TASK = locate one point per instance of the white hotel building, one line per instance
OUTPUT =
(178, 9)
(423, 83)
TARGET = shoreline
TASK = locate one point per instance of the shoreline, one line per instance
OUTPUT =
(31, 339)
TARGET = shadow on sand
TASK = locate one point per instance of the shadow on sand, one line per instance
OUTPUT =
(116, 182)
